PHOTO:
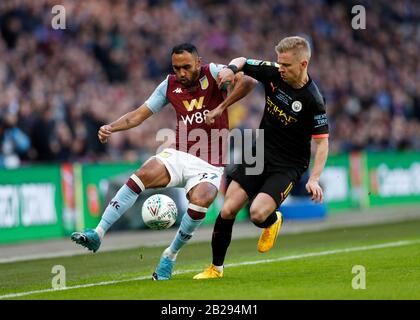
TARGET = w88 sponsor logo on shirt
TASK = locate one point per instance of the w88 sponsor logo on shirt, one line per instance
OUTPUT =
(197, 117)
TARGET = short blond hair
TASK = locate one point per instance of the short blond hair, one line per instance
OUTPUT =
(297, 44)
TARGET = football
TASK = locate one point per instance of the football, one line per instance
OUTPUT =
(159, 212)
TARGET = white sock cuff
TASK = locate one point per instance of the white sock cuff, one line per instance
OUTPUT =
(219, 268)
(197, 208)
(100, 232)
(170, 254)
(137, 181)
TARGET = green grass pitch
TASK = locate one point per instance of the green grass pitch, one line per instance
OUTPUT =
(316, 265)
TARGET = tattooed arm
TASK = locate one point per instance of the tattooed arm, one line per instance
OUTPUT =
(129, 120)
(132, 119)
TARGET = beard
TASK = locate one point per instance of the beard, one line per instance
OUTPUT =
(190, 83)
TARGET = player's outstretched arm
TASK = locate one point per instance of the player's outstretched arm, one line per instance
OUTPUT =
(129, 120)
(243, 85)
(321, 155)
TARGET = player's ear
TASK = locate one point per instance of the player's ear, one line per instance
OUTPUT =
(304, 63)
(198, 61)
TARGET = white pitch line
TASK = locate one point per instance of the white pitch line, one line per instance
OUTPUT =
(287, 258)
(70, 253)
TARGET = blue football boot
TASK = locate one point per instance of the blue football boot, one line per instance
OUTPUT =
(164, 269)
(89, 239)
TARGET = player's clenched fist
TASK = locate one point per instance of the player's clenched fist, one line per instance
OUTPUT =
(104, 133)
(212, 115)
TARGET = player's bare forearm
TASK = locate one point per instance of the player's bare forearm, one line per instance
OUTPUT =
(131, 119)
(243, 85)
(227, 75)
(321, 155)
(126, 122)
(239, 62)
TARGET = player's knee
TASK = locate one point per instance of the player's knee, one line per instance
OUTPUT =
(257, 215)
(227, 212)
(203, 195)
(201, 199)
(144, 176)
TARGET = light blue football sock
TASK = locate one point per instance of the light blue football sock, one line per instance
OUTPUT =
(123, 200)
(185, 232)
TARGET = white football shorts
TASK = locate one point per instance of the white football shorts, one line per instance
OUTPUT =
(187, 170)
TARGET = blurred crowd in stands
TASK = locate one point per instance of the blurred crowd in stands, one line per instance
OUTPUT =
(57, 87)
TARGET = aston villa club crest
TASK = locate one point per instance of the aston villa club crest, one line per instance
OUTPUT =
(204, 83)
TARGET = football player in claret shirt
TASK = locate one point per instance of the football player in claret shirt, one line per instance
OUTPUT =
(294, 115)
(193, 92)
